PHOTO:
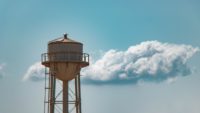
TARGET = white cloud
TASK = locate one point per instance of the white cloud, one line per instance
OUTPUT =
(147, 61)
(2, 66)
(35, 72)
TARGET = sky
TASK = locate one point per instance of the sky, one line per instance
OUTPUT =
(106, 27)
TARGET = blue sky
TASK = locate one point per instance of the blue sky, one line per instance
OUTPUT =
(27, 25)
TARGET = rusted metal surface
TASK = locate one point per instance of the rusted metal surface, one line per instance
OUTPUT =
(81, 58)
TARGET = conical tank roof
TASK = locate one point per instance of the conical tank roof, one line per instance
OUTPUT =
(64, 39)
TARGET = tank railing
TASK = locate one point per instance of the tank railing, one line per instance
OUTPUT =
(65, 57)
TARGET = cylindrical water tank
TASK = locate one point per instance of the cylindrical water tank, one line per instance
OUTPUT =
(64, 44)
(65, 49)
(65, 57)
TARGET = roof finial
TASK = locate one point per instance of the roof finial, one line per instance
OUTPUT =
(65, 35)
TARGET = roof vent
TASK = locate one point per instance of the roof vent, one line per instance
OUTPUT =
(65, 35)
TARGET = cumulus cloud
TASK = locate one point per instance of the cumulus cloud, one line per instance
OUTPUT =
(35, 72)
(147, 61)
(2, 66)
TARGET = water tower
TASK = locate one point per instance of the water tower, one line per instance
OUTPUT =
(63, 63)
